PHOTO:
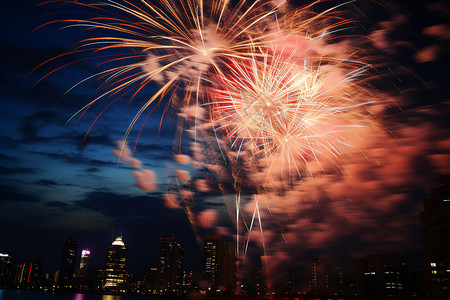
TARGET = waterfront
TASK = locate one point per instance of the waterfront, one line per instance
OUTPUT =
(38, 295)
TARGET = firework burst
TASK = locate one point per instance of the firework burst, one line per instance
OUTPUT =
(175, 44)
(286, 110)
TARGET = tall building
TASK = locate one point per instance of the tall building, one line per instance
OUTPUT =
(68, 259)
(115, 273)
(85, 257)
(33, 277)
(318, 279)
(381, 277)
(290, 281)
(20, 277)
(220, 263)
(170, 263)
(436, 253)
(151, 283)
(81, 277)
(255, 283)
(7, 270)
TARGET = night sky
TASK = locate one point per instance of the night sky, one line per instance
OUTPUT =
(54, 184)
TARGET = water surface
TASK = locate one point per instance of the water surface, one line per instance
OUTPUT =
(38, 295)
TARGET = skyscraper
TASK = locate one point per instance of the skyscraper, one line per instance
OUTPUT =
(436, 253)
(32, 276)
(81, 276)
(220, 263)
(7, 270)
(116, 271)
(322, 279)
(68, 259)
(84, 261)
(381, 277)
(170, 262)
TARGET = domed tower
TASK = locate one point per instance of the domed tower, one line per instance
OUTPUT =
(116, 271)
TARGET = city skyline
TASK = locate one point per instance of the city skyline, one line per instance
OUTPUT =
(55, 183)
(381, 276)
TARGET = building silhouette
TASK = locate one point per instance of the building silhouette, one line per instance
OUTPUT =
(85, 257)
(290, 282)
(381, 277)
(21, 276)
(220, 264)
(255, 283)
(68, 260)
(436, 253)
(7, 270)
(323, 278)
(260, 281)
(170, 261)
(81, 277)
(115, 271)
(150, 281)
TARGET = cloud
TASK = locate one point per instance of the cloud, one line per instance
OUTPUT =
(46, 182)
(5, 157)
(51, 183)
(160, 150)
(10, 194)
(19, 170)
(114, 205)
(32, 124)
(76, 159)
(48, 94)
(57, 204)
(84, 141)
(44, 127)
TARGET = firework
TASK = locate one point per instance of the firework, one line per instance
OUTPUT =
(173, 43)
(287, 110)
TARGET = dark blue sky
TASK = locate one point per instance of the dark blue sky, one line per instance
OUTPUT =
(52, 184)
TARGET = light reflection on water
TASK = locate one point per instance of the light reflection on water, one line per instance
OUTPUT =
(111, 297)
(6, 294)
(84, 297)
(104, 297)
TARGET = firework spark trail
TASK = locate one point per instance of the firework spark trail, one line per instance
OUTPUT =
(172, 41)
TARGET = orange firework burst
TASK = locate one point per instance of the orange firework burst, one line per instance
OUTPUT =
(288, 110)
